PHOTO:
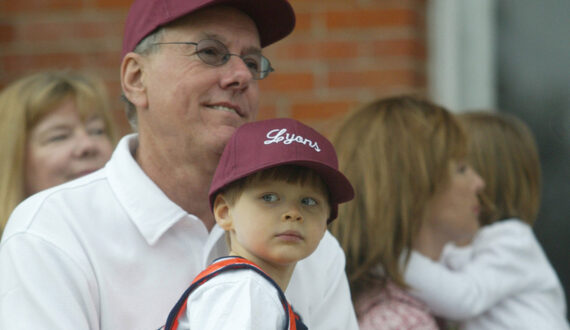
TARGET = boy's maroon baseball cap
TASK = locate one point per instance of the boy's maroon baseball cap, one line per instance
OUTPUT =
(264, 144)
(275, 19)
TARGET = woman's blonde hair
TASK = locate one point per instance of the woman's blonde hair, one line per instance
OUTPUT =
(502, 149)
(23, 104)
(396, 152)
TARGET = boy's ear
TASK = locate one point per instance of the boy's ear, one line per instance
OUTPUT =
(222, 213)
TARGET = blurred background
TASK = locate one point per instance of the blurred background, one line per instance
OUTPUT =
(500, 55)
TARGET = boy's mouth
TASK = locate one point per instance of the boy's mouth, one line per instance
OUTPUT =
(290, 235)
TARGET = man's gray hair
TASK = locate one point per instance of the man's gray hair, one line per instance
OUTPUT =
(145, 47)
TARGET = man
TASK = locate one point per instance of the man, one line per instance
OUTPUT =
(115, 249)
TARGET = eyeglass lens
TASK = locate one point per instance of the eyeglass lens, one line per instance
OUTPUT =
(215, 53)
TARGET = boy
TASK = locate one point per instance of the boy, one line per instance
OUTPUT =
(276, 188)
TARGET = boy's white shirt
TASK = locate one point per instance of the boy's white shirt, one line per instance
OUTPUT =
(502, 281)
(232, 300)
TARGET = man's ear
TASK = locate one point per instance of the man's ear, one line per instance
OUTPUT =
(132, 79)
(222, 213)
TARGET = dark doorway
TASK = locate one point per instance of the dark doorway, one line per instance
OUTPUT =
(533, 44)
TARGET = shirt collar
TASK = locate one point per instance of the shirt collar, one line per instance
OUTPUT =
(151, 211)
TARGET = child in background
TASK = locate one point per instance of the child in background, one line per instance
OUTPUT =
(503, 280)
(275, 189)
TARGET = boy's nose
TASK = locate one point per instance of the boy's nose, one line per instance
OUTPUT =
(292, 215)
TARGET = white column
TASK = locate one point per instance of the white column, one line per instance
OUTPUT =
(461, 53)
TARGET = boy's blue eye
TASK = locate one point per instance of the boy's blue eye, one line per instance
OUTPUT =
(96, 131)
(309, 201)
(269, 197)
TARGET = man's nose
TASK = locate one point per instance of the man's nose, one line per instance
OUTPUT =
(237, 74)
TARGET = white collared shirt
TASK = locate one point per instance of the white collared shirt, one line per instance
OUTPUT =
(111, 251)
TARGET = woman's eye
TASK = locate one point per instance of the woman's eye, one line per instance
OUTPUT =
(57, 137)
(309, 201)
(269, 197)
(96, 126)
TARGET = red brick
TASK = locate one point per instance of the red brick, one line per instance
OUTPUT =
(39, 5)
(28, 63)
(98, 29)
(318, 50)
(288, 82)
(44, 31)
(117, 106)
(325, 125)
(7, 33)
(114, 88)
(319, 109)
(267, 112)
(404, 47)
(383, 78)
(114, 4)
(368, 18)
(121, 121)
(102, 60)
(303, 22)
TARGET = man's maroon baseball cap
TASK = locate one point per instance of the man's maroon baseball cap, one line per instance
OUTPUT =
(275, 19)
(264, 144)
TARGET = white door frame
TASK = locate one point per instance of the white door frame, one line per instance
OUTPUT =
(461, 53)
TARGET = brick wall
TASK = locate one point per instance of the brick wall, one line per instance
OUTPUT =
(342, 52)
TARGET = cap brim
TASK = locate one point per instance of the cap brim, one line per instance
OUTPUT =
(339, 186)
(274, 19)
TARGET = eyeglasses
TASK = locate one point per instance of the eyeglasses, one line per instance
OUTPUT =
(215, 53)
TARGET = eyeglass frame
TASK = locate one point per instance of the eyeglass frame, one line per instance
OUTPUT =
(227, 55)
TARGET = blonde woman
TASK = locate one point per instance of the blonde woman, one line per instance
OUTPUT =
(54, 126)
(503, 280)
(414, 190)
